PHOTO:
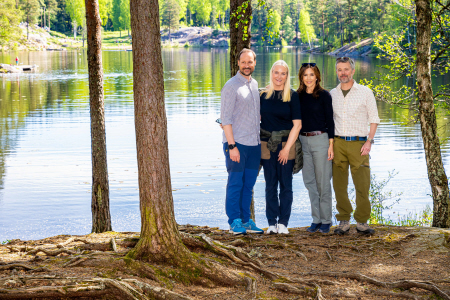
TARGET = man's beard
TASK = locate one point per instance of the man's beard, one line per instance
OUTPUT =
(346, 79)
(242, 71)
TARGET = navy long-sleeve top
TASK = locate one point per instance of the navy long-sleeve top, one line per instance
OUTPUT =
(277, 115)
(317, 113)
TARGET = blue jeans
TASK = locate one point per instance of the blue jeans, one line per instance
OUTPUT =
(278, 207)
(241, 179)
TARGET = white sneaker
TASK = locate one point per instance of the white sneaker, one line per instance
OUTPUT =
(272, 230)
(282, 229)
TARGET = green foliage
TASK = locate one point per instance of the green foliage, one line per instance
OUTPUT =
(170, 16)
(9, 19)
(306, 29)
(121, 14)
(272, 25)
(76, 10)
(381, 200)
(423, 218)
(6, 242)
(288, 29)
(283, 43)
(378, 198)
(400, 49)
(30, 9)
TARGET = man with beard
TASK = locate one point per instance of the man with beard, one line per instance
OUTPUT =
(240, 114)
(354, 108)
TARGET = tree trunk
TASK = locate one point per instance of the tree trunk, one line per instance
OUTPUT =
(160, 239)
(436, 172)
(101, 218)
(236, 34)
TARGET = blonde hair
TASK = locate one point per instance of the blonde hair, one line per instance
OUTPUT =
(286, 96)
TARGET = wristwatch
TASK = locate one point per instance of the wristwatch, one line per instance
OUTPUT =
(231, 146)
(372, 141)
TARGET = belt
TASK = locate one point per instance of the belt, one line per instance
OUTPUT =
(352, 138)
(312, 133)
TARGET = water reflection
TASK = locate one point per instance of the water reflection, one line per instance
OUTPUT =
(45, 166)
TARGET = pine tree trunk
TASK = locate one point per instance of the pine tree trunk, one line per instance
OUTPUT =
(236, 34)
(436, 172)
(160, 239)
(101, 218)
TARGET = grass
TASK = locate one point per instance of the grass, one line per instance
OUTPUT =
(110, 39)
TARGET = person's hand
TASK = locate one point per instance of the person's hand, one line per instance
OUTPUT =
(235, 155)
(365, 149)
(283, 156)
(330, 152)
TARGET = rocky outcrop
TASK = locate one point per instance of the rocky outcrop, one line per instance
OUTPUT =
(363, 48)
(197, 36)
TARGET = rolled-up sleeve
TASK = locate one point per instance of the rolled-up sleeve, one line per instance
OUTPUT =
(227, 103)
(372, 111)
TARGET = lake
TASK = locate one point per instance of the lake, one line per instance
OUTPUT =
(45, 160)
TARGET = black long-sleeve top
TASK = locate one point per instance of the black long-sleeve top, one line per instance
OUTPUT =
(317, 113)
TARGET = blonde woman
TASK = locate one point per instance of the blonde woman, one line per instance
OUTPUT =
(280, 127)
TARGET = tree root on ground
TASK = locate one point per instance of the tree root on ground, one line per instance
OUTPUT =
(305, 291)
(404, 284)
(23, 266)
(88, 287)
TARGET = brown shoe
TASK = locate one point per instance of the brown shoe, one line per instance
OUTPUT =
(363, 228)
(343, 228)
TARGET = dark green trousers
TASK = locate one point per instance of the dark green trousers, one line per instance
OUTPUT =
(348, 154)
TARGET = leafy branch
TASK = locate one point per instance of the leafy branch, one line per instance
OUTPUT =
(244, 20)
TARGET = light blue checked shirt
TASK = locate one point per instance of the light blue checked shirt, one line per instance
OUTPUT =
(240, 107)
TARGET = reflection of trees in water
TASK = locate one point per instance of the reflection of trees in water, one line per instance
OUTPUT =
(19, 97)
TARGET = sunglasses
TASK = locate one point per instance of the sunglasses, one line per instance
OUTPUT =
(343, 59)
(308, 64)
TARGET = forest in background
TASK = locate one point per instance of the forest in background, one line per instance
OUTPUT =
(328, 23)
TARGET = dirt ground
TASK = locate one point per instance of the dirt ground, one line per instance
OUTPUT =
(395, 263)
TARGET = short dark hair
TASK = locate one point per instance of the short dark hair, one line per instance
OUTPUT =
(245, 50)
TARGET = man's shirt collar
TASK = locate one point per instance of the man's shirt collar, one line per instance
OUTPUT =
(355, 85)
(242, 78)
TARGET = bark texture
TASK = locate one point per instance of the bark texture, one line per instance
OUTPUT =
(236, 34)
(160, 239)
(101, 218)
(427, 115)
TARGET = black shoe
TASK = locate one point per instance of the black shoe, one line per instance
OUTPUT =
(343, 228)
(314, 227)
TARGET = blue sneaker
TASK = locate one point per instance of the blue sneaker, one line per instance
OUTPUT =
(237, 228)
(250, 227)
(314, 227)
(325, 228)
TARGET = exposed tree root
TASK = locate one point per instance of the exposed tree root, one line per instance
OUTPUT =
(405, 295)
(90, 287)
(50, 252)
(23, 266)
(305, 291)
(404, 284)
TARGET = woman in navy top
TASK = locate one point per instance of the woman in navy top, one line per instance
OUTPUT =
(317, 137)
(280, 116)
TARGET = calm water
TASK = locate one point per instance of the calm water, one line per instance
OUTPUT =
(45, 162)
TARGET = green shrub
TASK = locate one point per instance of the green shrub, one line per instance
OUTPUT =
(215, 32)
(186, 45)
(283, 43)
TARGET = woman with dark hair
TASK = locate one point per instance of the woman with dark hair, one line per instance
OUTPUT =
(317, 137)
